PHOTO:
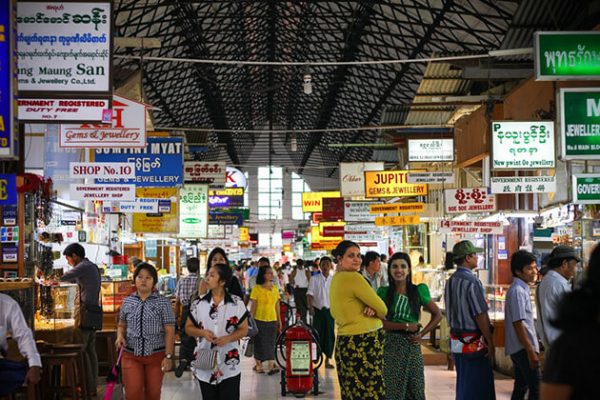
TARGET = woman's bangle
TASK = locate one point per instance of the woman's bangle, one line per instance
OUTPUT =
(406, 326)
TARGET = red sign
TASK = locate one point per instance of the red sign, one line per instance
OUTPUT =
(317, 217)
(333, 231)
(333, 208)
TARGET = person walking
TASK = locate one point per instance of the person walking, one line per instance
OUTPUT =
(219, 320)
(371, 270)
(218, 256)
(146, 331)
(562, 265)
(357, 311)
(264, 306)
(403, 362)
(471, 341)
(88, 317)
(521, 339)
(299, 280)
(318, 306)
(186, 289)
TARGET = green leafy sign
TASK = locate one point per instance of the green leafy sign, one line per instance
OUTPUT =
(567, 55)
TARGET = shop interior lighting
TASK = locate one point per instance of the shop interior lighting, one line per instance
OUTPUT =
(307, 83)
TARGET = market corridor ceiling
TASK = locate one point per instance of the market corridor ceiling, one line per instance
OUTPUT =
(263, 97)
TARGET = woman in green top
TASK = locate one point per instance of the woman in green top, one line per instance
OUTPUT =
(403, 361)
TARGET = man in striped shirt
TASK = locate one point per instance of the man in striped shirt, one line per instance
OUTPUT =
(466, 312)
(187, 287)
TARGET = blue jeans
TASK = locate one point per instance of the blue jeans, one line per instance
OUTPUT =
(474, 377)
(525, 377)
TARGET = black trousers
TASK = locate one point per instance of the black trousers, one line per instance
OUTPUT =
(188, 343)
(228, 389)
(301, 302)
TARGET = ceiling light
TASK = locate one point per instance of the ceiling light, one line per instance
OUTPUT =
(307, 84)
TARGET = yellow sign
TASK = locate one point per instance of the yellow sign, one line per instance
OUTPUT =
(324, 224)
(391, 184)
(227, 192)
(396, 208)
(313, 201)
(395, 221)
(3, 190)
(163, 222)
(244, 234)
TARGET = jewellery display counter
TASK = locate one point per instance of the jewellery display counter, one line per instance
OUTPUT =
(55, 313)
(112, 293)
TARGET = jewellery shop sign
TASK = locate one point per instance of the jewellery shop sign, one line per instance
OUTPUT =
(469, 200)
(580, 123)
(522, 145)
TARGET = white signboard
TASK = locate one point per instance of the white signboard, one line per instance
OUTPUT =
(64, 46)
(469, 200)
(102, 192)
(523, 184)
(352, 177)
(235, 178)
(430, 177)
(193, 211)
(522, 145)
(81, 170)
(358, 211)
(471, 227)
(363, 233)
(211, 173)
(140, 205)
(56, 110)
(430, 150)
(128, 128)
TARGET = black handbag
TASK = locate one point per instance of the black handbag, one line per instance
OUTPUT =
(91, 317)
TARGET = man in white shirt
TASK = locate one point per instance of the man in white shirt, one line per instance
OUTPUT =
(318, 306)
(562, 265)
(13, 321)
(299, 280)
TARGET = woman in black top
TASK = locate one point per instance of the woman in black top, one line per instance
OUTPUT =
(218, 256)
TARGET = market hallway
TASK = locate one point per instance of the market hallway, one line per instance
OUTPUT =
(439, 385)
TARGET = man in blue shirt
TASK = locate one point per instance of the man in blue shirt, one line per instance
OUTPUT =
(521, 339)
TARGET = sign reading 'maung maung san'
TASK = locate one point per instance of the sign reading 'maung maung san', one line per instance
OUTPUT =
(567, 55)
(580, 123)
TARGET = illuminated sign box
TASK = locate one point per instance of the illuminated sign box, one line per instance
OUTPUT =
(566, 55)
(580, 123)
(391, 184)
(430, 150)
(522, 145)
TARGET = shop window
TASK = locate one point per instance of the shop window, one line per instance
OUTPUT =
(270, 193)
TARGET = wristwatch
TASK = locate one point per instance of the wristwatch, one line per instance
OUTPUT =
(169, 356)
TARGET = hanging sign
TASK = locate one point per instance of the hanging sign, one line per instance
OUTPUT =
(102, 192)
(397, 221)
(391, 184)
(81, 170)
(163, 221)
(523, 184)
(396, 208)
(363, 233)
(64, 47)
(128, 128)
(225, 198)
(522, 145)
(235, 178)
(59, 110)
(352, 177)
(8, 81)
(567, 55)
(359, 211)
(333, 208)
(580, 123)
(244, 234)
(336, 231)
(586, 188)
(8, 189)
(430, 177)
(471, 227)
(469, 200)
(313, 201)
(225, 218)
(159, 164)
(430, 150)
(211, 173)
(193, 211)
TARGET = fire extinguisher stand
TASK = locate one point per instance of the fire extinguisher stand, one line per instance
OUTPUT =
(294, 351)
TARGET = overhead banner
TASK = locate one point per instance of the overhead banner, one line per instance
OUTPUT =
(396, 208)
(8, 82)
(567, 55)
(352, 177)
(391, 184)
(8, 189)
(160, 164)
(128, 128)
(193, 211)
(523, 184)
(580, 123)
(55, 110)
(469, 200)
(471, 227)
(210, 173)
(313, 201)
(398, 221)
(522, 145)
(82, 170)
(359, 211)
(165, 221)
(430, 150)
(430, 177)
(333, 208)
(586, 188)
(64, 47)
(102, 192)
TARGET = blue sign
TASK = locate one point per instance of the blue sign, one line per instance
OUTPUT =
(8, 189)
(222, 218)
(7, 81)
(159, 164)
(218, 201)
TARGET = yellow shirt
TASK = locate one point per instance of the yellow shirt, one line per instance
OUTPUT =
(350, 293)
(266, 301)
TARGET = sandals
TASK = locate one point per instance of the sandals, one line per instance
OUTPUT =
(258, 371)
(273, 371)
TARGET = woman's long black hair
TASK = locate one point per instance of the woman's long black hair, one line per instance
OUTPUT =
(411, 288)
(234, 287)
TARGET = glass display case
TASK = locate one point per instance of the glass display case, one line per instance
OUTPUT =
(113, 293)
(22, 290)
(55, 307)
(496, 298)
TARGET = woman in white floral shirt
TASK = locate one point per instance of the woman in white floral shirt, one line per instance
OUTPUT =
(219, 320)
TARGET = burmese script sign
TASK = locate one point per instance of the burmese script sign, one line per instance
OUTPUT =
(471, 227)
(128, 128)
(8, 85)
(352, 178)
(469, 200)
(391, 184)
(523, 184)
(522, 145)
(59, 110)
(567, 55)
(580, 123)
(166, 220)
(430, 150)
(211, 173)
(64, 47)
(193, 211)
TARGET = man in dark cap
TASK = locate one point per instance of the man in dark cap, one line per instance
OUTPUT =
(562, 265)
(471, 341)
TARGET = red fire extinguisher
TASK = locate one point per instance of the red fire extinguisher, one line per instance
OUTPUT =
(299, 349)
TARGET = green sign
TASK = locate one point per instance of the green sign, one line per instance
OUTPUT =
(567, 55)
(586, 189)
(580, 123)
(193, 211)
